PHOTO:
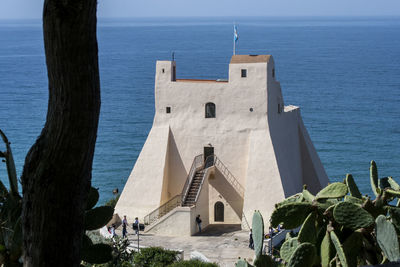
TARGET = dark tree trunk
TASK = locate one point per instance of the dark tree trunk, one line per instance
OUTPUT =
(57, 172)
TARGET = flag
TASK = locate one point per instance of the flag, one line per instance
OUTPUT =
(235, 34)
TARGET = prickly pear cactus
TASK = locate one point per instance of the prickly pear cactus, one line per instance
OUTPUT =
(353, 200)
(352, 216)
(241, 263)
(97, 253)
(98, 217)
(308, 232)
(352, 247)
(307, 195)
(334, 190)
(291, 215)
(264, 261)
(288, 247)
(339, 249)
(373, 174)
(326, 250)
(258, 233)
(303, 256)
(387, 239)
(352, 186)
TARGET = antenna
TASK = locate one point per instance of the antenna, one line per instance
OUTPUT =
(173, 56)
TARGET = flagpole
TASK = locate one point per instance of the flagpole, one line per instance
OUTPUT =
(234, 41)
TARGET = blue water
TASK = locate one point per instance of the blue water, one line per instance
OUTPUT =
(344, 73)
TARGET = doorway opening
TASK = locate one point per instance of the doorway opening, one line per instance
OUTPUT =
(219, 211)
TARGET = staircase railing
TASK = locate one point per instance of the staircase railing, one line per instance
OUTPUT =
(163, 209)
(196, 165)
(229, 176)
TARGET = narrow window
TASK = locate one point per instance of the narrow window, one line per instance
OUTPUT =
(279, 108)
(173, 73)
(210, 110)
(273, 73)
(168, 110)
(244, 73)
(163, 70)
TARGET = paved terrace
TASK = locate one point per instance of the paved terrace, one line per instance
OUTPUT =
(220, 245)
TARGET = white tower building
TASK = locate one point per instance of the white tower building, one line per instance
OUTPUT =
(221, 149)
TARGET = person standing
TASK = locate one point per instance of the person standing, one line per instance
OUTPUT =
(198, 221)
(251, 241)
(124, 224)
(137, 225)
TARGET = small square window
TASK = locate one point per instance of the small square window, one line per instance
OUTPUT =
(168, 109)
(244, 73)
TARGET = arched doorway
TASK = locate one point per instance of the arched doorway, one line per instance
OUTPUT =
(219, 211)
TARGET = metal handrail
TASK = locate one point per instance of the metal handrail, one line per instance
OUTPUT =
(229, 176)
(163, 209)
(196, 165)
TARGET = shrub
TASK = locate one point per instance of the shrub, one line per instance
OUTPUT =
(154, 257)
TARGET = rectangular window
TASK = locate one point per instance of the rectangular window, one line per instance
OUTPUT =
(168, 109)
(244, 73)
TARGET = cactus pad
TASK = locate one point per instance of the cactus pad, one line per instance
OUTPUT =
(303, 256)
(308, 232)
(92, 198)
(353, 200)
(393, 183)
(352, 216)
(387, 239)
(334, 190)
(97, 254)
(98, 217)
(295, 198)
(339, 249)
(352, 247)
(352, 186)
(264, 260)
(326, 250)
(395, 215)
(308, 196)
(373, 174)
(288, 247)
(291, 215)
(12, 173)
(258, 233)
(241, 263)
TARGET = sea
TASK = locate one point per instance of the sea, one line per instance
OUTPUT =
(343, 72)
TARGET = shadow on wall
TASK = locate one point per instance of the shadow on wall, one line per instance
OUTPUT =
(176, 169)
(227, 191)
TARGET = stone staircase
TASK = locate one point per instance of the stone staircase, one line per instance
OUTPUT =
(194, 188)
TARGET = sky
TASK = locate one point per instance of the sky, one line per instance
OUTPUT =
(25, 9)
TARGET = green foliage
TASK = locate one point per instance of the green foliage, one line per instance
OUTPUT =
(258, 233)
(308, 232)
(192, 263)
(288, 247)
(113, 201)
(241, 263)
(387, 238)
(339, 249)
(10, 212)
(373, 174)
(291, 215)
(98, 217)
(352, 216)
(335, 190)
(344, 227)
(352, 186)
(303, 256)
(154, 257)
